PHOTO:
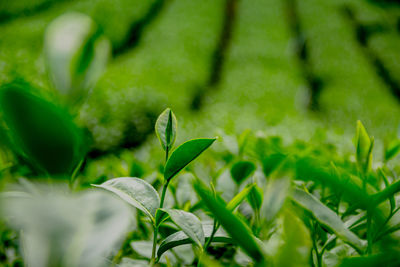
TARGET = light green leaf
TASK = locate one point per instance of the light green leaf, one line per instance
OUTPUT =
(185, 154)
(327, 217)
(236, 228)
(189, 224)
(180, 238)
(136, 192)
(166, 126)
(238, 198)
(274, 197)
(241, 170)
(364, 145)
(392, 150)
(76, 53)
(297, 242)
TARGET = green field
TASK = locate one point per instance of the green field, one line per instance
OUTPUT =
(199, 133)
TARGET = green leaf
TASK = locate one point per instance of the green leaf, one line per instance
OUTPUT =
(185, 154)
(297, 242)
(271, 162)
(180, 238)
(241, 170)
(255, 198)
(136, 192)
(274, 197)
(364, 145)
(189, 224)
(392, 150)
(55, 150)
(327, 217)
(236, 228)
(75, 67)
(387, 259)
(166, 126)
(238, 198)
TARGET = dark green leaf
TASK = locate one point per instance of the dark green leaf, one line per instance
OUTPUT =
(180, 238)
(236, 228)
(255, 198)
(271, 162)
(189, 224)
(185, 154)
(136, 192)
(166, 126)
(387, 259)
(327, 217)
(56, 149)
(241, 170)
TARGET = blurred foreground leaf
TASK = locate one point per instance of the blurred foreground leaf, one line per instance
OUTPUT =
(76, 54)
(41, 132)
(58, 229)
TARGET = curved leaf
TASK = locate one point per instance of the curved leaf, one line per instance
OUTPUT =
(238, 199)
(327, 217)
(241, 170)
(185, 154)
(136, 192)
(189, 224)
(166, 125)
(180, 238)
(75, 67)
(236, 228)
(274, 197)
(56, 149)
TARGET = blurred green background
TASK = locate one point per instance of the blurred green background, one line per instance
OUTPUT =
(287, 67)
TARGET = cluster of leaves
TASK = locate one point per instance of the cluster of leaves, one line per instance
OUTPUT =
(254, 202)
(265, 204)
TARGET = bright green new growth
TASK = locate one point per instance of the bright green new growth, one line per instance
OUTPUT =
(364, 146)
(166, 126)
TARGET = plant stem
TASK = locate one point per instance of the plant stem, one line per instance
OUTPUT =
(369, 232)
(315, 246)
(164, 191)
(153, 251)
(214, 230)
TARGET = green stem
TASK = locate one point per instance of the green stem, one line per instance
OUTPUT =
(214, 230)
(369, 232)
(153, 251)
(315, 246)
(164, 191)
(387, 192)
